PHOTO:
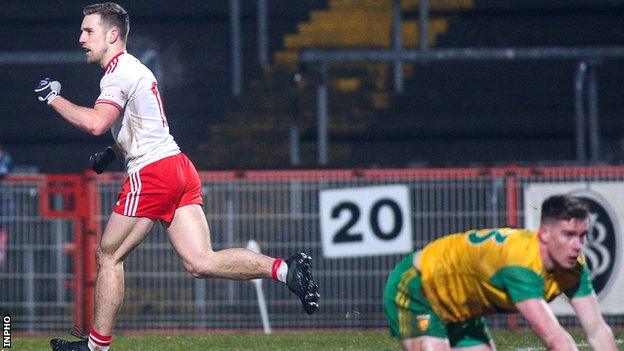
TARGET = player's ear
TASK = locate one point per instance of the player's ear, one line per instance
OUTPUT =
(544, 232)
(113, 35)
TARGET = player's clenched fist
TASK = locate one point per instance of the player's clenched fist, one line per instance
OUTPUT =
(48, 90)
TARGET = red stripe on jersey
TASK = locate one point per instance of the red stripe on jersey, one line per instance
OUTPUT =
(112, 64)
(102, 101)
(160, 106)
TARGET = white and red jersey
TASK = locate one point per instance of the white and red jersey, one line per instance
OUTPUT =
(142, 134)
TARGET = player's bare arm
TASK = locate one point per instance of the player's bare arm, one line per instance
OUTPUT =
(95, 121)
(599, 334)
(546, 325)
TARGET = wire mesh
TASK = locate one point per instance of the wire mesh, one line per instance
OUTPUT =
(279, 210)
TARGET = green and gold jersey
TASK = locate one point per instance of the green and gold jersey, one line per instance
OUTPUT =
(479, 272)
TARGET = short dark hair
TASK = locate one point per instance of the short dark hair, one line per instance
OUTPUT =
(563, 207)
(111, 14)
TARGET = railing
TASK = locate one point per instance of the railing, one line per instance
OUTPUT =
(49, 225)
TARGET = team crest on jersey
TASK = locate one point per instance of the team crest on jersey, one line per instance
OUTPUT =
(422, 320)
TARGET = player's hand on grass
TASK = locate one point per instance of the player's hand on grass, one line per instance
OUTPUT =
(48, 90)
(100, 160)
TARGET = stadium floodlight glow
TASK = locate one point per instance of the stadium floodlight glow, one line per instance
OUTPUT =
(41, 57)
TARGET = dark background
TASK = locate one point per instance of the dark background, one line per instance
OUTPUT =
(191, 36)
(451, 114)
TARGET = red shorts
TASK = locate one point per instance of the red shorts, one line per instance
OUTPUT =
(158, 189)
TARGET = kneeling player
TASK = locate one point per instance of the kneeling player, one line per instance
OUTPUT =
(436, 298)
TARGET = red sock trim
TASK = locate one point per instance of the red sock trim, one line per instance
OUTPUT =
(276, 264)
(100, 340)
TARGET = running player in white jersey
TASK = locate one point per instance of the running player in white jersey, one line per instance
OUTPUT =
(162, 183)
(142, 135)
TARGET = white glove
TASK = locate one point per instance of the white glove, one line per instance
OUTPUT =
(48, 90)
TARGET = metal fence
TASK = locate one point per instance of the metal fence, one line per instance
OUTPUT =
(34, 267)
(280, 210)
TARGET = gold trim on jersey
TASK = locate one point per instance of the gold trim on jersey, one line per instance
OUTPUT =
(407, 277)
(404, 321)
(402, 300)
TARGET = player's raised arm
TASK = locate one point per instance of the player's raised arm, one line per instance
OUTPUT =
(599, 334)
(546, 325)
(95, 121)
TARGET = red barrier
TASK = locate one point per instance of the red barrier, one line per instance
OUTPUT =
(75, 196)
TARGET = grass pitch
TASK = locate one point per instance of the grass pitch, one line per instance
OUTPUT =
(321, 340)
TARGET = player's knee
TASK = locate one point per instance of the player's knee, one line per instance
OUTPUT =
(426, 343)
(103, 257)
(201, 266)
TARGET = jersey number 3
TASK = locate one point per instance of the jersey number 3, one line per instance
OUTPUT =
(160, 105)
(477, 238)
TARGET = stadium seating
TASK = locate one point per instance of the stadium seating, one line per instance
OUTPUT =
(451, 113)
(260, 119)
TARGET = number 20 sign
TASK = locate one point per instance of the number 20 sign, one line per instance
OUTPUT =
(365, 221)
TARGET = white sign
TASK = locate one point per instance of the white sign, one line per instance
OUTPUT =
(603, 249)
(366, 221)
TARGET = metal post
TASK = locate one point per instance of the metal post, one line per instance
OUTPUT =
(229, 232)
(42, 57)
(296, 196)
(397, 46)
(592, 107)
(497, 185)
(423, 21)
(59, 260)
(29, 286)
(200, 303)
(295, 160)
(235, 38)
(322, 111)
(59, 254)
(264, 315)
(579, 83)
(263, 33)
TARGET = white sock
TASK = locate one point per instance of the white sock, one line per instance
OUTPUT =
(94, 347)
(280, 270)
(98, 342)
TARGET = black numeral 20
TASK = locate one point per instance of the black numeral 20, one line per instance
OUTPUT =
(345, 235)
